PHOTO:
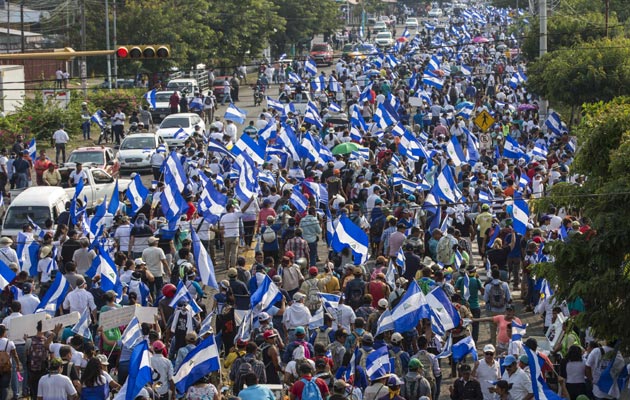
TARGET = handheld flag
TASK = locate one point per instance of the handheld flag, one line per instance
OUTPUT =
(201, 361)
(405, 316)
(140, 371)
(82, 327)
(132, 334)
(137, 194)
(235, 114)
(54, 296)
(266, 295)
(347, 233)
(377, 363)
(150, 98)
(443, 314)
(203, 262)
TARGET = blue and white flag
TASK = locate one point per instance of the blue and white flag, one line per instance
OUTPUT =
(540, 150)
(443, 315)
(311, 115)
(247, 184)
(400, 260)
(517, 79)
(390, 275)
(6, 275)
(334, 107)
(554, 123)
(246, 144)
(32, 149)
(137, 194)
(317, 319)
(206, 324)
(366, 94)
(114, 202)
(310, 67)
(348, 234)
(511, 149)
(539, 387)
(330, 302)
(140, 371)
(98, 119)
(132, 334)
(405, 315)
(434, 63)
(150, 98)
(447, 350)
(235, 114)
(266, 295)
(201, 361)
(172, 202)
(181, 134)
(523, 182)
(485, 197)
(183, 294)
(385, 116)
(334, 86)
(464, 347)
(520, 212)
(429, 27)
(377, 363)
(318, 190)
(104, 266)
(217, 147)
(455, 152)
(286, 138)
(472, 146)
(299, 201)
(356, 118)
(275, 104)
(270, 131)
(82, 327)
(54, 296)
(203, 262)
(446, 188)
(174, 171)
(518, 330)
(433, 81)
(494, 236)
(464, 109)
(466, 70)
(466, 291)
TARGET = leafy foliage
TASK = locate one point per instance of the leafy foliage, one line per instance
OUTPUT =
(586, 73)
(127, 99)
(595, 266)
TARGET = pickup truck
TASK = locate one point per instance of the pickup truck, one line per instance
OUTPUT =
(99, 184)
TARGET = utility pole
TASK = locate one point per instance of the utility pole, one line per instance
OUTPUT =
(607, 6)
(83, 68)
(542, 11)
(115, 46)
(22, 39)
(8, 27)
(109, 58)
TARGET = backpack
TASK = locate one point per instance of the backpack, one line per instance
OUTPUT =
(38, 360)
(301, 351)
(5, 360)
(497, 296)
(427, 371)
(444, 252)
(364, 356)
(312, 295)
(243, 369)
(208, 101)
(269, 235)
(310, 390)
(398, 367)
(323, 337)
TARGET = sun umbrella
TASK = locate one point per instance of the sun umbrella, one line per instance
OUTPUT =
(480, 39)
(527, 107)
(346, 148)
(401, 39)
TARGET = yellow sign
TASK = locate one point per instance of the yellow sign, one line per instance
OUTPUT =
(484, 120)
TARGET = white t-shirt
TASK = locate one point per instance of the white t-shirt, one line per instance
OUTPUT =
(55, 387)
(42, 267)
(119, 119)
(75, 176)
(521, 384)
(60, 136)
(7, 345)
(593, 362)
(487, 373)
(231, 224)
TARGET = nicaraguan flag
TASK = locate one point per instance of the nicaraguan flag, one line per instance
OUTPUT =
(464, 109)
(330, 228)
(366, 94)
(98, 119)
(275, 104)
(247, 185)
(293, 77)
(347, 233)
(140, 371)
(114, 202)
(485, 197)
(132, 334)
(270, 131)
(447, 350)
(539, 387)
(216, 147)
(443, 315)
(464, 347)
(310, 67)
(334, 107)
(330, 302)
(518, 330)
(434, 63)
(286, 138)
(82, 327)
(433, 81)
(554, 123)
(298, 200)
(181, 134)
(311, 115)
(523, 182)
(137, 194)
(333, 85)
(356, 118)
(455, 152)
(466, 291)
(32, 149)
(150, 98)
(318, 190)
(317, 319)
(235, 114)
(390, 275)
(494, 236)
(465, 70)
(446, 188)
(6, 275)
(472, 147)
(106, 268)
(211, 203)
(400, 259)
(425, 96)
(183, 293)
(246, 144)
(266, 295)
(540, 150)
(405, 315)
(520, 212)
(206, 324)
(429, 27)
(203, 262)
(377, 363)
(385, 116)
(201, 361)
(54, 296)
(512, 149)
(172, 202)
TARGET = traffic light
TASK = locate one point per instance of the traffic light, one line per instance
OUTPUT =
(143, 51)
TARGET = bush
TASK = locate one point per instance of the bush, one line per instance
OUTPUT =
(128, 100)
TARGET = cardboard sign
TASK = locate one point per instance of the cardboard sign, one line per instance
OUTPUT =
(64, 320)
(26, 324)
(115, 318)
(146, 314)
(415, 101)
(555, 333)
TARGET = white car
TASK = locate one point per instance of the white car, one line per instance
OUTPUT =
(411, 23)
(379, 26)
(136, 150)
(435, 13)
(384, 39)
(176, 128)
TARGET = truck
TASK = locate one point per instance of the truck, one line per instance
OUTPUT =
(12, 89)
(193, 81)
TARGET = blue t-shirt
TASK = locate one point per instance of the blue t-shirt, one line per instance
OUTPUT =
(256, 392)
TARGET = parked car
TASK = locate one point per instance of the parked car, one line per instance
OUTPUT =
(162, 105)
(380, 26)
(411, 23)
(322, 53)
(136, 150)
(186, 86)
(360, 51)
(219, 85)
(436, 13)
(175, 122)
(35, 203)
(99, 157)
(384, 39)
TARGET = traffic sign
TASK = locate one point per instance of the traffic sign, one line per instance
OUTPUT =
(484, 120)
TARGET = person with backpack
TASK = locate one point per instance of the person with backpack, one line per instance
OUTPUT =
(271, 357)
(431, 370)
(355, 289)
(37, 356)
(400, 356)
(300, 341)
(603, 366)
(245, 365)
(337, 348)
(308, 387)
(415, 384)
(497, 297)
(53, 385)
(269, 236)
(474, 288)
(69, 369)
(311, 288)
(7, 353)
(324, 335)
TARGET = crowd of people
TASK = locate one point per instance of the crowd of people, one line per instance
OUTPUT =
(425, 207)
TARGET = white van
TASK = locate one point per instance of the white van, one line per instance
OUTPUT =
(39, 203)
(187, 85)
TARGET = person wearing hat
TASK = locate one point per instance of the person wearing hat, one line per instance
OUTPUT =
(473, 290)
(381, 307)
(229, 226)
(29, 301)
(465, 387)
(415, 384)
(80, 299)
(484, 222)
(519, 380)
(45, 266)
(311, 287)
(156, 263)
(486, 371)
(271, 356)
(297, 338)
(341, 390)
(400, 356)
(393, 383)
(54, 385)
(7, 254)
(165, 387)
(355, 289)
(191, 344)
(239, 290)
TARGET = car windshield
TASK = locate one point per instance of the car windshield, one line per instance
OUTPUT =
(175, 123)
(219, 82)
(163, 97)
(16, 216)
(180, 86)
(134, 143)
(319, 47)
(384, 35)
(85, 157)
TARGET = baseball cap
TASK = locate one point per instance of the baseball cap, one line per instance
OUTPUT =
(524, 359)
(509, 360)
(102, 358)
(263, 316)
(382, 303)
(158, 345)
(300, 330)
(340, 385)
(489, 348)
(299, 296)
(415, 363)
(232, 273)
(139, 261)
(313, 271)
(397, 337)
(269, 334)
(367, 338)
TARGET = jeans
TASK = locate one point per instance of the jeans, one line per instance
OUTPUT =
(21, 180)
(85, 127)
(514, 269)
(226, 96)
(156, 286)
(118, 132)
(248, 228)
(60, 148)
(231, 251)
(476, 312)
(312, 253)
(5, 382)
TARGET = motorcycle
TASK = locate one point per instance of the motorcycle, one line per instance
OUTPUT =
(105, 131)
(258, 96)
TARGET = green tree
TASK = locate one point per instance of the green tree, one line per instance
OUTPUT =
(595, 266)
(585, 73)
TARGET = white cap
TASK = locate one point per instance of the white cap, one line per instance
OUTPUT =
(382, 303)
(489, 348)
(397, 337)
